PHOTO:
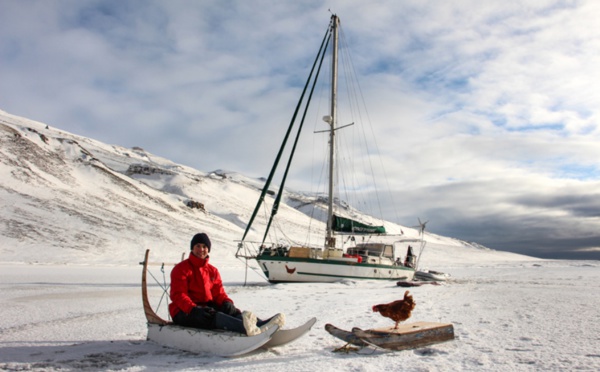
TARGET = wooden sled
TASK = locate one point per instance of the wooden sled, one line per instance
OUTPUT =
(406, 336)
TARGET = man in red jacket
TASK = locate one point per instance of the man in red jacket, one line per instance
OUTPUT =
(199, 299)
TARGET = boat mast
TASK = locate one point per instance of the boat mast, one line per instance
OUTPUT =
(335, 23)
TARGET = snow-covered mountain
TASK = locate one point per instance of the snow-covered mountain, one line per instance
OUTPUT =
(71, 199)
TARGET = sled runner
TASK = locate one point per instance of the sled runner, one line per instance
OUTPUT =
(285, 336)
(216, 342)
(406, 336)
(344, 335)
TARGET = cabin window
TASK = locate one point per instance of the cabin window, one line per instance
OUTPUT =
(373, 250)
(388, 251)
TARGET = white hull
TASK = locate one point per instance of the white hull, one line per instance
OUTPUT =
(222, 343)
(284, 269)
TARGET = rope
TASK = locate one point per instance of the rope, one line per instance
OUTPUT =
(164, 287)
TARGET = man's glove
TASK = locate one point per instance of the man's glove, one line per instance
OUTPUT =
(229, 309)
(203, 312)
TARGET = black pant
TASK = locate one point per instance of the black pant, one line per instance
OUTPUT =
(212, 316)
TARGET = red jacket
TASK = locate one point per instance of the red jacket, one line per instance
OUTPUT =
(195, 282)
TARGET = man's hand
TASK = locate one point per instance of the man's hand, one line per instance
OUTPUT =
(203, 312)
(229, 309)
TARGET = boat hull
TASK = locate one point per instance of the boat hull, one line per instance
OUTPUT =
(288, 269)
(431, 276)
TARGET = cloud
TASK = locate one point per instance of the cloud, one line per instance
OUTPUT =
(591, 249)
(486, 114)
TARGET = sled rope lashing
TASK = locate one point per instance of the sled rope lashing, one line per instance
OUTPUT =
(151, 315)
(347, 349)
(164, 286)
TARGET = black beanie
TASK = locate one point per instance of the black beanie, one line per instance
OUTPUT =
(200, 238)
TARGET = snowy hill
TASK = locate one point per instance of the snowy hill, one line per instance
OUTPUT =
(71, 199)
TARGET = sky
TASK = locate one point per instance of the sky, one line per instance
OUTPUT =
(486, 113)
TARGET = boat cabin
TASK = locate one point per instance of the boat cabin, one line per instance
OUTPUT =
(372, 249)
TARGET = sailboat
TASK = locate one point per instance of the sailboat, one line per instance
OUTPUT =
(369, 254)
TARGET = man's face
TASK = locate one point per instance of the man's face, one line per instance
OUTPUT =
(200, 250)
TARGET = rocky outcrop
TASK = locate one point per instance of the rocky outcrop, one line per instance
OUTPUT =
(147, 170)
(195, 205)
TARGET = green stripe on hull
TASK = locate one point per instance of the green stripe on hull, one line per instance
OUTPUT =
(332, 262)
(348, 276)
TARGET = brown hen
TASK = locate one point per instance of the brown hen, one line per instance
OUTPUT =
(398, 311)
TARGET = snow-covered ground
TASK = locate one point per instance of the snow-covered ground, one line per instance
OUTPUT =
(519, 315)
(77, 216)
